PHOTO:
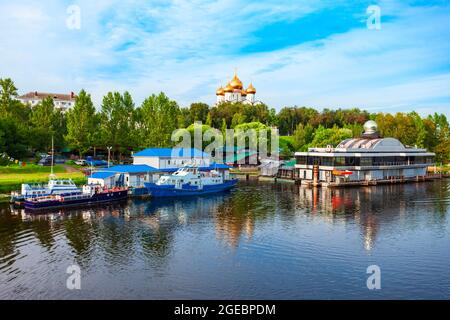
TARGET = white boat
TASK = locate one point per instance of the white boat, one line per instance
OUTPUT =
(54, 187)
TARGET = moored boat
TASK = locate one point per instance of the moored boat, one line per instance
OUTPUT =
(54, 187)
(91, 194)
(190, 181)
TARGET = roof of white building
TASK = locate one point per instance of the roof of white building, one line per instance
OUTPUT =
(370, 141)
(42, 95)
(172, 153)
(378, 144)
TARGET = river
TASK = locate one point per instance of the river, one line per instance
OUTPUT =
(259, 241)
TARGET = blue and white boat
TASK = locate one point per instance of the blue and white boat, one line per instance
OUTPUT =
(54, 187)
(190, 181)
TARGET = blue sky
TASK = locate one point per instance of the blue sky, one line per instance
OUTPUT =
(313, 53)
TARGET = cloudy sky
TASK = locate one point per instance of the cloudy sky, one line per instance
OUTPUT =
(312, 53)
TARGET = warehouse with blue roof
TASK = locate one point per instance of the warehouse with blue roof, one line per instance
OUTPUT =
(149, 164)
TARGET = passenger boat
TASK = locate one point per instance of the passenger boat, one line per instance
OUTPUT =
(190, 181)
(54, 187)
(91, 194)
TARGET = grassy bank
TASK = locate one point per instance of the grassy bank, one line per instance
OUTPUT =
(11, 177)
(31, 168)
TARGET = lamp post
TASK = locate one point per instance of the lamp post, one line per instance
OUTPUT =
(109, 152)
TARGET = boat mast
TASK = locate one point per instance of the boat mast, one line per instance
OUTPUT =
(53, 159)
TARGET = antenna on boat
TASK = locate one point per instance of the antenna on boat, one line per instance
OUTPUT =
(52, 175)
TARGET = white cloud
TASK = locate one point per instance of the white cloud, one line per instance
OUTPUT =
(186, 49)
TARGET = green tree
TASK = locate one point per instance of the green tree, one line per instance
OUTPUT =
(303, 136)
(159, 118)
(208, 119)
(82, 123)
(330, 136)
(198, 111)
(117, 122)
(8, 95)
(42, 120)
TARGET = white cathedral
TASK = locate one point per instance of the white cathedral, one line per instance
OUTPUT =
(234, 92)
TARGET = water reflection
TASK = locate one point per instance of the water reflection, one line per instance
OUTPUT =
(118, 237)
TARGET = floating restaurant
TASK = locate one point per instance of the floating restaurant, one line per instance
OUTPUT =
(367, 160)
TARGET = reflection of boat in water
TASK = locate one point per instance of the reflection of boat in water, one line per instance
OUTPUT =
(207, 202)
(91, 194)
(190, 181)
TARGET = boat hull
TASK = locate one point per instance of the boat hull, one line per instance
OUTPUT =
(95, 199)
(187, 190)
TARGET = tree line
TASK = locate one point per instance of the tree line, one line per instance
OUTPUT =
(125, 127)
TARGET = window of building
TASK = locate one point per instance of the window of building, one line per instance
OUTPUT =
(339, 161)
(301, 160)
(365, 161)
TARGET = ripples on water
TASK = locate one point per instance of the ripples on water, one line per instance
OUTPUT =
(260, 240)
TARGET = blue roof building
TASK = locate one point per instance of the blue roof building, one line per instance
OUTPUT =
(166, 158)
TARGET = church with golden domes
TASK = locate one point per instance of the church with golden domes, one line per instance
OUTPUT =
(234, 92)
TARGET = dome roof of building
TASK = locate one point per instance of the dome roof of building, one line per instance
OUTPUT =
(379, 144)
(251, 89)
(236, 83)
(220, 91)
(370, 127)
(228, 88)
(243, 92)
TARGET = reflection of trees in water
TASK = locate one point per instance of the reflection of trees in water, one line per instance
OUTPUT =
(115, 236)
(10, 227)
(164, 216)
(250, 203)
(43, 231)
(80, 236)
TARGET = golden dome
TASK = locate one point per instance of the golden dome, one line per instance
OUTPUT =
(243, 93)
(236, 83)
(220, 91)
(228, 88)
(251, 89)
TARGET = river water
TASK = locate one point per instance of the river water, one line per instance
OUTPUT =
(258, 241)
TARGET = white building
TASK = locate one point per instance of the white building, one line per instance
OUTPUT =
(61, 101)
(234, 92)
(369, 159)
(170, 158)
(123, 175)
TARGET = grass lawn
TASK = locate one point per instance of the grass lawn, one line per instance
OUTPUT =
(31, 168)
(11, 177)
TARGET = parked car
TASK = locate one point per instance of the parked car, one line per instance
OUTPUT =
(42, 155)
(96, 163)
(81, 162)
(47, 161)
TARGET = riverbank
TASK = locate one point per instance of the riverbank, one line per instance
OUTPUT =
(11, 177)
